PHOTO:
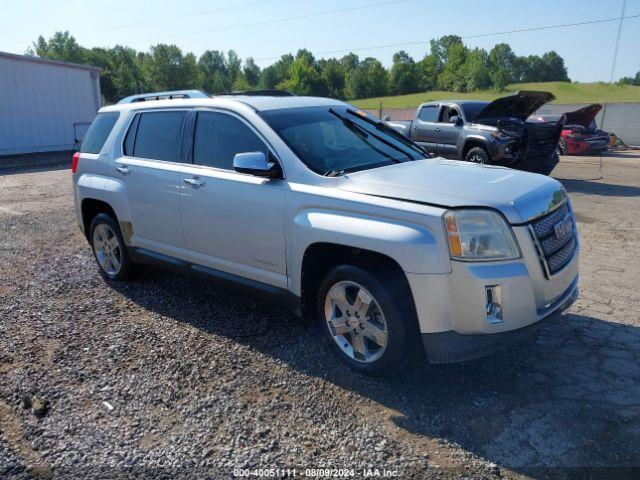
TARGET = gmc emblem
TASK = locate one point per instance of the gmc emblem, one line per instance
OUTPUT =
(564, 227)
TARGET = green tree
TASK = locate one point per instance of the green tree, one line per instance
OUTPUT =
(501, 57)
(234, 66)
(440, 47)
(304, 76)
(369, 79)
(166, 68)
(127, 75)
(251, 72)
(429, 70)
(500, 79)
(405, 74)
(452, 78)
(630, 80)
(476, 71)
(333, 75)
(212, 72)
(61, 46)
(554, 69)
(269, 78)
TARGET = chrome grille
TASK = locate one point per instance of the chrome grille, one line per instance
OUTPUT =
(556, 245)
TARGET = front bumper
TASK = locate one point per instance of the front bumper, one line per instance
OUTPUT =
(450, 347)
(453, 307)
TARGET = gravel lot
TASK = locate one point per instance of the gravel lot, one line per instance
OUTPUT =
(166, 376)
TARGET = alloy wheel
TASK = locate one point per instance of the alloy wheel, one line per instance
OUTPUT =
(107, 249)
(356, 321)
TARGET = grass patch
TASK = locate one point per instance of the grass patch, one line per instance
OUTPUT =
(565, 92)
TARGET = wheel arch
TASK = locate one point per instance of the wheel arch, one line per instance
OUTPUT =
(90, 207)
(320, 257)
(475, 141)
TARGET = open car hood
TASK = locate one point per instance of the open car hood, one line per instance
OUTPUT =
(583, 116)
(517, 105)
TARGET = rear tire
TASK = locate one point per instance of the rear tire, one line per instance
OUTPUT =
(109, 248)
(477, 155)
(365, 320)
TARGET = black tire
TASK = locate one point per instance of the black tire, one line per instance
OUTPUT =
(477, 155)
(125, 271)
(397, 313)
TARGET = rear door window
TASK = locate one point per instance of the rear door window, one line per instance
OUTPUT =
(158, 135)
(219, 137)
(99, 132)
(429, 113)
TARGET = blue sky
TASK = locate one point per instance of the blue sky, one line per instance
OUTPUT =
(257, 27)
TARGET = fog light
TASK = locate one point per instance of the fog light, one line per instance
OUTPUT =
(494, 303)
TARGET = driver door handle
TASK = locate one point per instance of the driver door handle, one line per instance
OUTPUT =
(194, 182)
(124, 170)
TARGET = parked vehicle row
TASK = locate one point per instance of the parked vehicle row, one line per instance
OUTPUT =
(326, 208)
(496, 132)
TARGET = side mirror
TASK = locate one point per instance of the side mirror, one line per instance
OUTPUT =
(386, 118)
(456, 120)
(256, 163)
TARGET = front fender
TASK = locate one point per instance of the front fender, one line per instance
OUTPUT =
(474, 138)
(414, 247)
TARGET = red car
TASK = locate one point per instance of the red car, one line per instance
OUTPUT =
(580, 134)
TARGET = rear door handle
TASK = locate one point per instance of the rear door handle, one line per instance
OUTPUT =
(124, 170)
(194, 182)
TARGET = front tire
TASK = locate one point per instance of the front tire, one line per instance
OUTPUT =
(477, 155)
(109, 248)
(364, 320)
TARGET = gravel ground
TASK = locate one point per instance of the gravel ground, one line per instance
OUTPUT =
(167, 376)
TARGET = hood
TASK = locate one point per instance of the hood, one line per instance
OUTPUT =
(520, 196)
(583, 116)
(517, 105)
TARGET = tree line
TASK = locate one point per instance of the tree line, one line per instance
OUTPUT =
(449, 66)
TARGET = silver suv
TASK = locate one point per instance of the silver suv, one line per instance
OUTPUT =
(320, 205)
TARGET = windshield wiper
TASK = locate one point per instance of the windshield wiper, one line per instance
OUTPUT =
(333, 173)
(391, 131)
(364, 135)
(353, 125)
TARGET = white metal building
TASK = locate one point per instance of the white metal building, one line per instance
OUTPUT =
(44, 104)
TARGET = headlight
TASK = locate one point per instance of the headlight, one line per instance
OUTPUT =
(479, 235)
(500, 135)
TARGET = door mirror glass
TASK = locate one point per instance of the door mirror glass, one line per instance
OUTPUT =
(256, 163)
(456, 120)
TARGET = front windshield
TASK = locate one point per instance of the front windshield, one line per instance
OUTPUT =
(333, 140)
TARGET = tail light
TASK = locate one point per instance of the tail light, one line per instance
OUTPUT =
(74, 162)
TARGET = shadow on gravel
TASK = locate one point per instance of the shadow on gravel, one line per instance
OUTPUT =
(599, 188)
(566, 399)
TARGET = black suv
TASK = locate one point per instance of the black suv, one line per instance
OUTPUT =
(488, 132)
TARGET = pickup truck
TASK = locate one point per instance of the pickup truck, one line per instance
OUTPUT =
(318, 205)
(494, 132)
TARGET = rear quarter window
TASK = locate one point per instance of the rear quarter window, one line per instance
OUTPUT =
(99, 132)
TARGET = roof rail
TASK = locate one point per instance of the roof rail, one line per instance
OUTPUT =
(145, 97)
(261, 93)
